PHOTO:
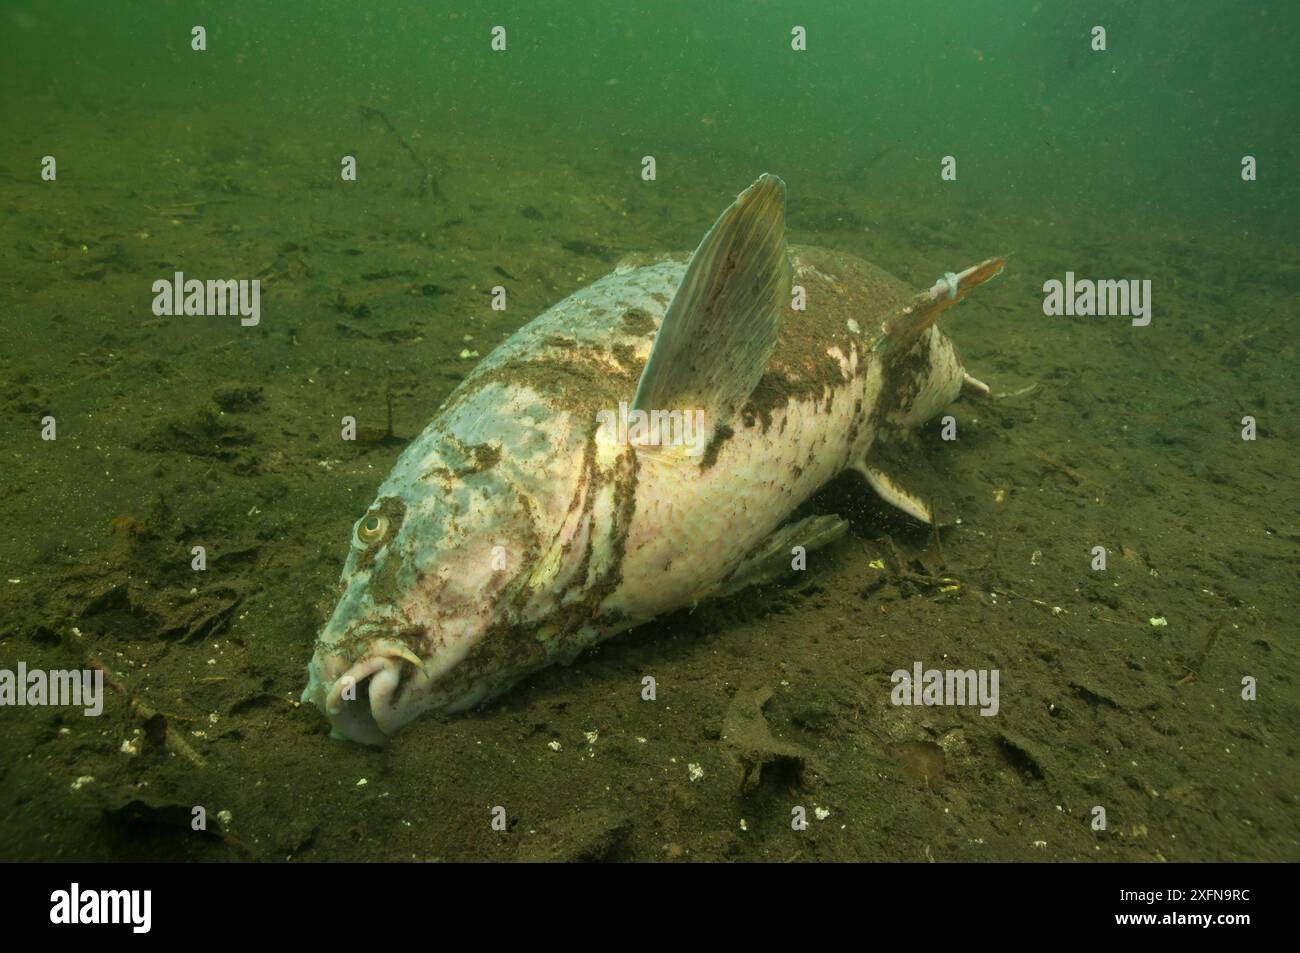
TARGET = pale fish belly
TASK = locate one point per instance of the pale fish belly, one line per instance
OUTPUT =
(691, 528)
(692, 524)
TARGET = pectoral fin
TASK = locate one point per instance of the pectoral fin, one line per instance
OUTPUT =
(721, 327)
(772, 558)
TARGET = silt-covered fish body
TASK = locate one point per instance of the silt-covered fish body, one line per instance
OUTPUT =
(528, 521)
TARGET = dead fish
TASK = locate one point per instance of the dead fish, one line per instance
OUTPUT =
(637, 448)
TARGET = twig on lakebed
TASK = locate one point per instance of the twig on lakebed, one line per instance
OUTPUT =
(428, 181)
(173, 740)
(1015, 393)
(1011, 593)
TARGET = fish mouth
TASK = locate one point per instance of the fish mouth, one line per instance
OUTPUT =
(362, 700)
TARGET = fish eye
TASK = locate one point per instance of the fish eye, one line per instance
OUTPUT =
(372, 528)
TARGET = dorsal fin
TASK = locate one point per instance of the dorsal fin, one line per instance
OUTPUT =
(721, 327)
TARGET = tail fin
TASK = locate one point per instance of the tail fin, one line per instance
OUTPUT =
(904, 327)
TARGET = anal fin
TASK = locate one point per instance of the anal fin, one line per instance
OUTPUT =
(889, 490)
(902, 471)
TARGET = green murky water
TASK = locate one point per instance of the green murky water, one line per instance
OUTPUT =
(922, 137)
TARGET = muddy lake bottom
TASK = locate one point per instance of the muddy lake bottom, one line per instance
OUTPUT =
(1120, 688)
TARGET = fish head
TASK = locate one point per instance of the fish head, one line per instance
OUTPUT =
(427, 575)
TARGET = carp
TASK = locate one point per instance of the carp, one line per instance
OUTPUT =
(637, 448)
